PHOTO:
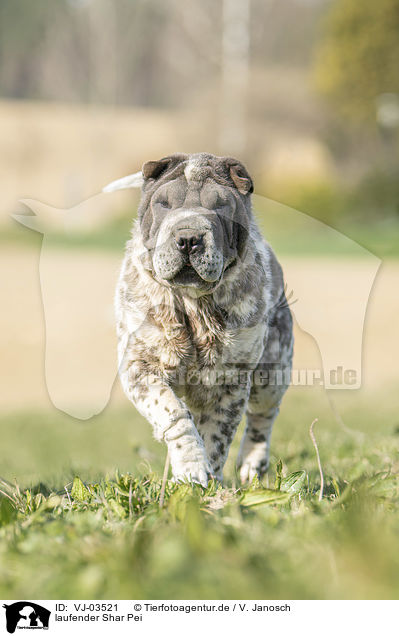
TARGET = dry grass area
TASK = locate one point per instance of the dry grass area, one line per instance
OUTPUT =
(76, 302)
(63, 154)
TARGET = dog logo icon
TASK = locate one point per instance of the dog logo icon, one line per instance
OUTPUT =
(26, 615)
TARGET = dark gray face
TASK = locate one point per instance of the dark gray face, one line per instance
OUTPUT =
(194, 217)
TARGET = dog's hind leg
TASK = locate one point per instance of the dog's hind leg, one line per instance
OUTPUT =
(253, 458)
(269, 383)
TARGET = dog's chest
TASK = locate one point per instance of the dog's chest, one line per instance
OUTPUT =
(214, 363)
(194, 345)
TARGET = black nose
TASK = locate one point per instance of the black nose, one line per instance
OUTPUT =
(189, 243)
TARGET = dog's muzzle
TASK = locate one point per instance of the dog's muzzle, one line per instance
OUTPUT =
(189, 252)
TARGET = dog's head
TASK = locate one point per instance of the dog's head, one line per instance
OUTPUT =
(194, 218)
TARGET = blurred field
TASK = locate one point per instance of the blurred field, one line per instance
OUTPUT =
(80, 355)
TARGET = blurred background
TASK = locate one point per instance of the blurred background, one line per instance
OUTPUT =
(305, 92)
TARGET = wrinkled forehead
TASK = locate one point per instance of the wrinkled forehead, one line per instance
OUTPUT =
(183, 192)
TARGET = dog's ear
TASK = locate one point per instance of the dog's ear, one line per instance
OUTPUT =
(154, 169)
(241, 179)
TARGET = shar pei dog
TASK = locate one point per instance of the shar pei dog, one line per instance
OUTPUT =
(204, 329)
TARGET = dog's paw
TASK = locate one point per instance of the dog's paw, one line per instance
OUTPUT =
(187, 453)
(251, 467)
(193, 472)
(191, 465)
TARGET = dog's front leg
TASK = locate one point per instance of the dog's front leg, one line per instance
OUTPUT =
(172, 423)
(218, 424)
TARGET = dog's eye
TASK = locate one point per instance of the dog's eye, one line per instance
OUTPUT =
(164, 204)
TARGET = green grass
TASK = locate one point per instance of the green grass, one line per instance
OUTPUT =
(72, 526)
